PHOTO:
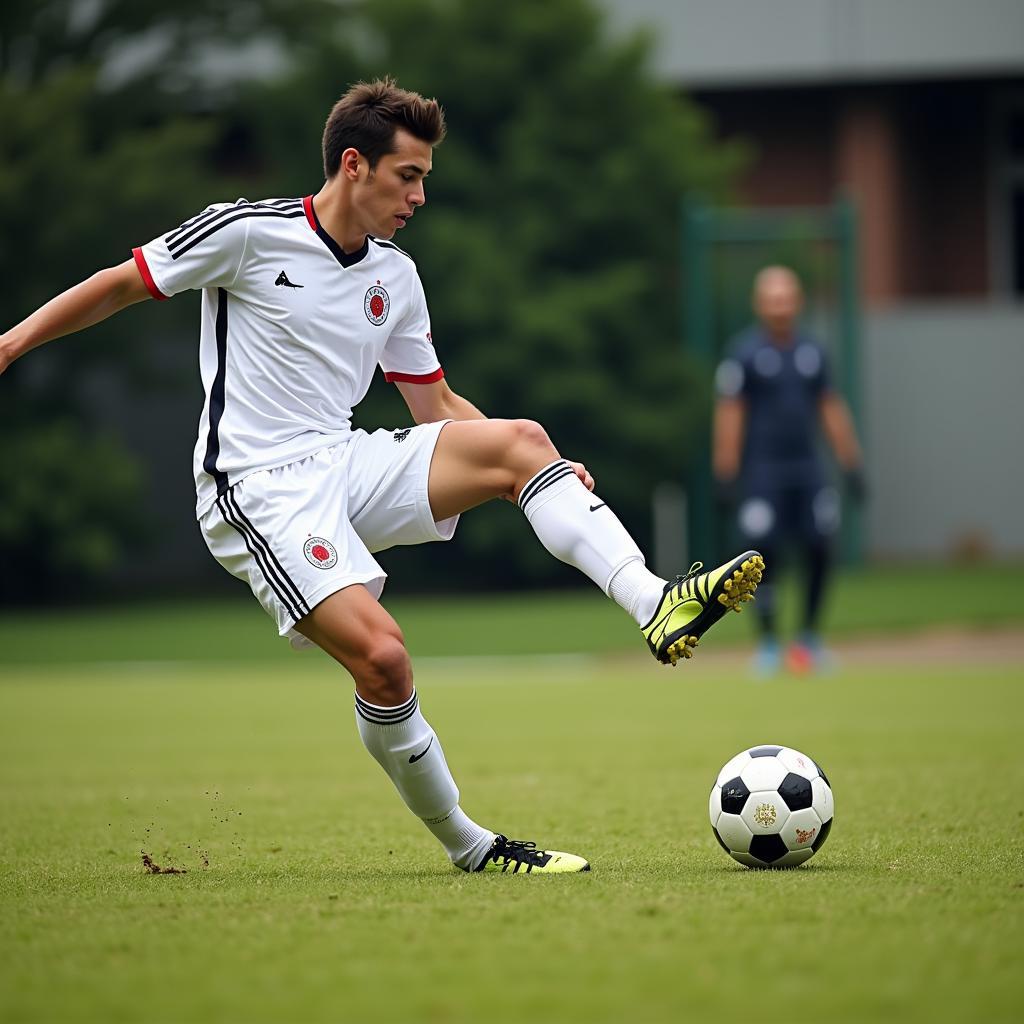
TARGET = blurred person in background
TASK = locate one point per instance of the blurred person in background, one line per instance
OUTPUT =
(774, 399)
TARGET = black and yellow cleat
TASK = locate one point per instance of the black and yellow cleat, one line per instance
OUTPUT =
(693, 603)
(514, 857)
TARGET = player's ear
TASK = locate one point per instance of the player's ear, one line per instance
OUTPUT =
(350, 163)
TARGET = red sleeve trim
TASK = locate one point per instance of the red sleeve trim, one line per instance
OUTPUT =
(147, 277)
(415, 378)
(307, 205)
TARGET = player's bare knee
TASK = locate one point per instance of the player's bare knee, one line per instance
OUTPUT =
(531, 447)
(386, 672)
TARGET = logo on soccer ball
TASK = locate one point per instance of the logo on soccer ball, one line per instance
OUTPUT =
(765, 815)
(320, 552)
(376, 305)
(804, 837)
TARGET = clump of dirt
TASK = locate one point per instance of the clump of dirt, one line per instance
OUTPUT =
(155, 869)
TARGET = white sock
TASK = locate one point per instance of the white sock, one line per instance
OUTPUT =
(404, 745)
(635, 588)
(578, 528)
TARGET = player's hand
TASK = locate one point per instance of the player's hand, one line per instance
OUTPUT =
(856, 485)
(584, 477)
(727, 492)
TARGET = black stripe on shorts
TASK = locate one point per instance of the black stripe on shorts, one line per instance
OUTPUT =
(273, 572)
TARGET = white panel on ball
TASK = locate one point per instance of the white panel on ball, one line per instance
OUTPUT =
(715, 804)
(822, 800)
(763, 773)
(797, 762)
(733, 767)
(801, 829)
(734, 832)
(765, 812)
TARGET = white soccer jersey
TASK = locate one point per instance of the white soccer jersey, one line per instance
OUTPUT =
(292, 330)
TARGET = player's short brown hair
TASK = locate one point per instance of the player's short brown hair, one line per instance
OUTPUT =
(366, 118)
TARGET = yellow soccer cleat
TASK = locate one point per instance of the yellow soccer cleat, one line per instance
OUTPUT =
(693, 603)
(514, 857)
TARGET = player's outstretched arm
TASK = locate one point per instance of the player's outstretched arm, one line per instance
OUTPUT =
(105, 293)
(435, 401)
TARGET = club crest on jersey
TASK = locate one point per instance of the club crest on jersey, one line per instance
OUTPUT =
(376, 305)
(320, 552)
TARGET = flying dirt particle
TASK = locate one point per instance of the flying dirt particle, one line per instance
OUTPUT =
(276, 849)
(155, 869)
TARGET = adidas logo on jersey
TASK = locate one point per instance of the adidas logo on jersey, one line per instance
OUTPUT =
(282, 279)
(401, 435)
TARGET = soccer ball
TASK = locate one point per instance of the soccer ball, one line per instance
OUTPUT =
(771, 807)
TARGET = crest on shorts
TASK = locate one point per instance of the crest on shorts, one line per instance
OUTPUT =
(320, 552)
(376, 305)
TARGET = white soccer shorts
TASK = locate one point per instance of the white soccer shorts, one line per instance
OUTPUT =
(300, 532)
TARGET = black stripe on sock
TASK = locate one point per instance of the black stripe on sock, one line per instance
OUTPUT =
(539, 477)
(387, 716)
(544, 480)
(259, 557)
(279, 570)
(398, 709)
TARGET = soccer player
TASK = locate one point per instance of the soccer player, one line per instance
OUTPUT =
(302, 299)
(774, 396)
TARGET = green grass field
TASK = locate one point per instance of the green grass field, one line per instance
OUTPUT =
(312, 895)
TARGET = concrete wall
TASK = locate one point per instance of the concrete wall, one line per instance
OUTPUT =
(742, 42)
(943, 404)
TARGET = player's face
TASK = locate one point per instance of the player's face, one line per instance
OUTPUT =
(777, 303)
(389, 195)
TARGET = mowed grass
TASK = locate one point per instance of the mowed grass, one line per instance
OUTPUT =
(323, 900)
(889, 599)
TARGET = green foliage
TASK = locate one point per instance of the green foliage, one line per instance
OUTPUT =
(67, 507)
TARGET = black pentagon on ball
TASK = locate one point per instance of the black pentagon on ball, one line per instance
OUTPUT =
(734, 795)
(721, 842)
(796, 791)
(819, 840)
(768, 848)
(764, 751)
(822, 774)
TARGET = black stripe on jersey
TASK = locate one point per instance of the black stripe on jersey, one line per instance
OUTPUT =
(236, 215)
(544, 479)
(259, 554)
(274, 569)
(208, 215)
(217, 395)
(390, 245)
